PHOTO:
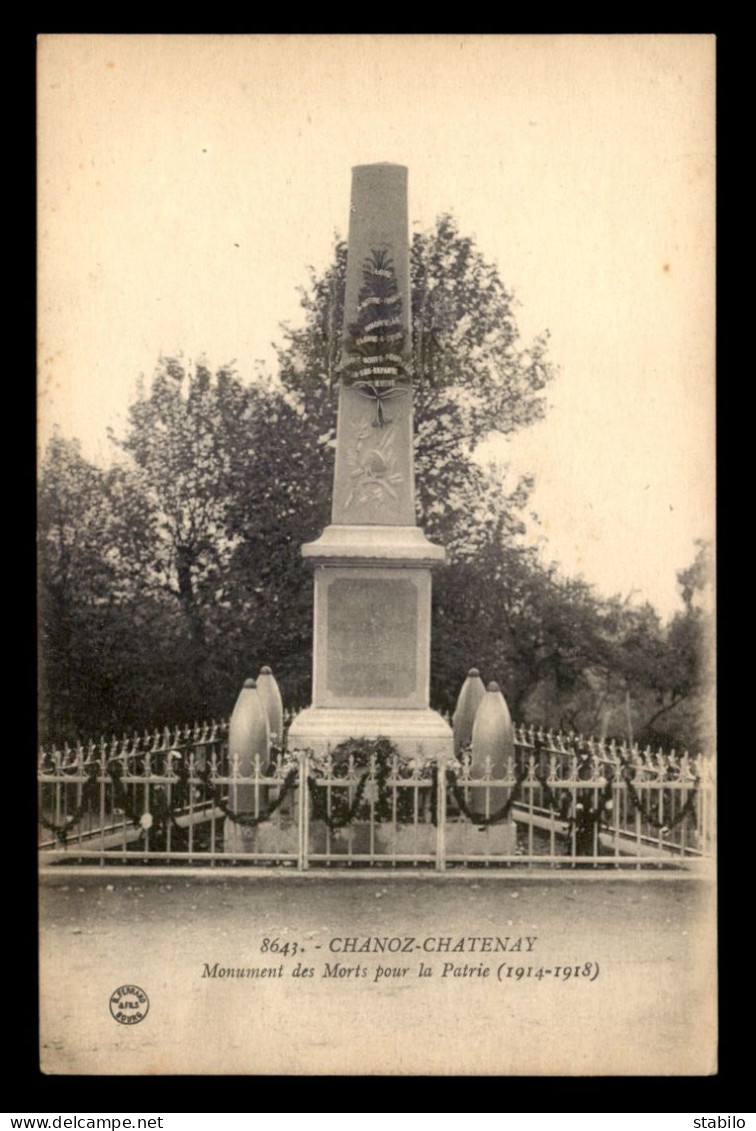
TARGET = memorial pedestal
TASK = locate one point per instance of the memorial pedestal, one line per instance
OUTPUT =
(371, 659)
(415, 732)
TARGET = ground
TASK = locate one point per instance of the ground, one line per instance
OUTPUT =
(650, 1009)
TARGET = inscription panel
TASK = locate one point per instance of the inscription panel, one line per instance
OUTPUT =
(371, 651)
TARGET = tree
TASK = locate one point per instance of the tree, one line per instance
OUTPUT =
(684, 687)
(466, 346)
(542, 636)
(472, 374)
(178, 439)
(653, 683)
(173, 575)
(86, 517)
(232, 482)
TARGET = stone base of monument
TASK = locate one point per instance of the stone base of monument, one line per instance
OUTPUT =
(380, 841)
(465, 839)
(460, 838)
(274, 837)
(279, 838)
(359, 839)
(414, 732)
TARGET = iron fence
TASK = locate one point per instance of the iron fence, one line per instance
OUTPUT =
(559, 800)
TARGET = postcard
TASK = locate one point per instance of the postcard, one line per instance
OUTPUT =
(376, 471)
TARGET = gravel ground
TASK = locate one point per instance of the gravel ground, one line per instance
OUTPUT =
(650, 1009)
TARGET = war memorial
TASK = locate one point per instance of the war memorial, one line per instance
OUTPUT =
(369, 774)
(340, 773)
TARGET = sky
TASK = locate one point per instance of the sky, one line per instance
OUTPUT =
(187, 182)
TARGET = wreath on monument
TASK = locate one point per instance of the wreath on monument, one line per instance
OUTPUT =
(376, 367)
(377, 759)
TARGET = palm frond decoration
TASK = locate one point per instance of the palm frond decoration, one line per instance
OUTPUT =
(377, 339)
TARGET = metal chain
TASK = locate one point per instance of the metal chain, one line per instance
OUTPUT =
(90, 786)
(320, 803)
(479, 818)
(249, 820)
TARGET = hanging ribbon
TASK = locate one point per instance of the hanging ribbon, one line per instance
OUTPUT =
(379, 395)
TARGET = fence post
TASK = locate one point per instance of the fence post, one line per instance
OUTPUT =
(441, 814)
(707, 805)
(303, 813)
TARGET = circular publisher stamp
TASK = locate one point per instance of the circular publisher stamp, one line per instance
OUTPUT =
(129, 1005)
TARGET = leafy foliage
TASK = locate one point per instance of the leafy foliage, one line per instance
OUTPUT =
(92, 537)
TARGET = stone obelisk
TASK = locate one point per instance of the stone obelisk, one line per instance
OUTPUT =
(371, 660)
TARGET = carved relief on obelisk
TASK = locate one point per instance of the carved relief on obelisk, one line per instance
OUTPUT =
(374, 478)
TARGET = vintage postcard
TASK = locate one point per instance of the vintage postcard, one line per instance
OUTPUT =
(376, 479)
